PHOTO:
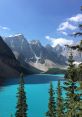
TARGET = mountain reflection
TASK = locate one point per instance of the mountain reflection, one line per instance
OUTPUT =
(32, 79)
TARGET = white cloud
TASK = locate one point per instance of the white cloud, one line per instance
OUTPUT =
(4, 28)
(64, 33)
(66, 25)
(70, 24)
(61, 41)
(4, 31)
(77, 18)
(47, 37)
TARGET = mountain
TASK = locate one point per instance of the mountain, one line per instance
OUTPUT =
(8, 62)
(19, 46)
(58, 49)
(18, 54)
(64, 51)
(9, 65)
(34, 53)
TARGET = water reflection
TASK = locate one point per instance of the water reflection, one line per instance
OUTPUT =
(32, 79)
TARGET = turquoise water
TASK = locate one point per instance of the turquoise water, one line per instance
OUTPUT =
(37, 96)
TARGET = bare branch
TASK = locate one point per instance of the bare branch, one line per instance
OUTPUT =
(78, 34)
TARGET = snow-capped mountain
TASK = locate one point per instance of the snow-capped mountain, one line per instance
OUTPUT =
(35, 53)
(64, 51)
(19, 46)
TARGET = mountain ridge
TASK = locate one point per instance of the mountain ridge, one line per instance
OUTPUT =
(34, 53)
(9, 65)
(37, 55)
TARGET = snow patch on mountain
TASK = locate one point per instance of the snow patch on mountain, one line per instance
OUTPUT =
(39, 56)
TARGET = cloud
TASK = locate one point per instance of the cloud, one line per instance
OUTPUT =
(70, 24)
(64, 33)
(4, 28)
(77, 18)
(48, 37)
(4, 31)
(66, 25)
(60, 41)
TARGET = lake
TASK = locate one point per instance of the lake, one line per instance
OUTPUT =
(36, 88)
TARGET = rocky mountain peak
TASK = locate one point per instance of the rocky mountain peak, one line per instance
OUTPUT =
(33, 51)
(48, 46)
(58, 48)
(17, 35)
(35, 42)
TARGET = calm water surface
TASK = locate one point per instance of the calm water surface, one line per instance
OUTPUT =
(37, 95)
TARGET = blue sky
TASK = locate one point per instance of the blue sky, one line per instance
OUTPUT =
(45, 20)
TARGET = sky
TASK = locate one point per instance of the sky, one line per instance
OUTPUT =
(50, 21)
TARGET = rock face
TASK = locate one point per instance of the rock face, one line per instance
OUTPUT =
(8, 62)
(19, 46)
(9, 65)
(65, 52)
(34, 53)
(37, 55)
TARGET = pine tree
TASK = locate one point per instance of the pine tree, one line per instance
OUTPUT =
(71, 71)
(51, 105)
(70, 88)
(77, 102)
(21, 104)
(79, 90)
(60, 103)
(79, 72)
